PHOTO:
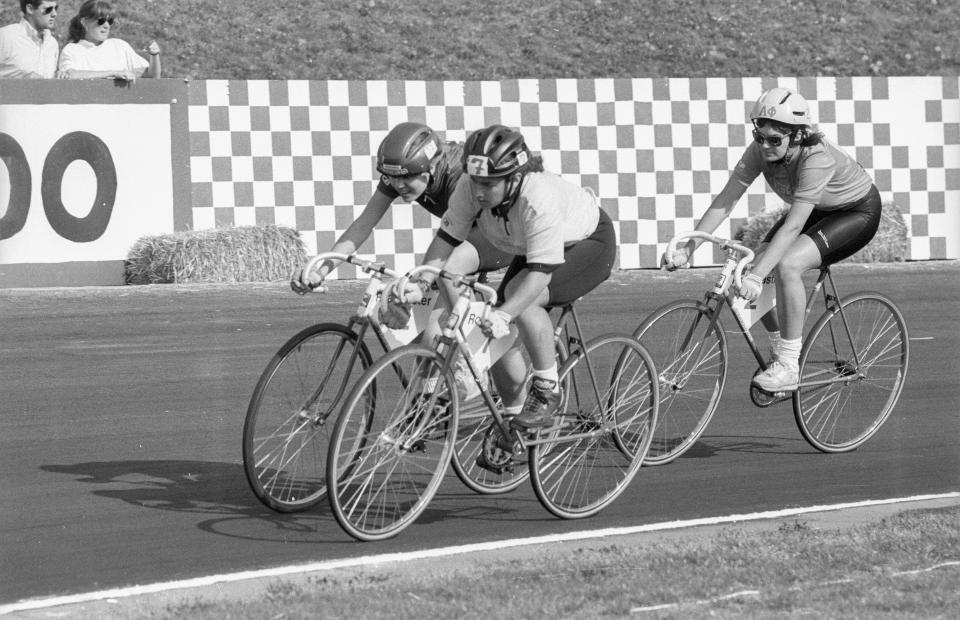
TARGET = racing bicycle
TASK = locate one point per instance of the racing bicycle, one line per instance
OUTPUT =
(396, 432)
(289, 418)
(852, 365)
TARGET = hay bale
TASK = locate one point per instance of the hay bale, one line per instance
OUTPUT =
(890, 244)
(230, 254)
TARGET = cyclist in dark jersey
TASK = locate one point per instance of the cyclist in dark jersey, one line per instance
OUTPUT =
(834, 211)
(414, 165)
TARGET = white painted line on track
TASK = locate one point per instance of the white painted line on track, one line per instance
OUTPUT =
(373, 560)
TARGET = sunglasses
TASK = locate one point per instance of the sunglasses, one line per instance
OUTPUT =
(105, 20)
(48, 9)
(396, 178)
(759, 138)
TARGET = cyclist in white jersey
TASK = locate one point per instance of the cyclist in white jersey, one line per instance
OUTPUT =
(834, 211)
(564, 246)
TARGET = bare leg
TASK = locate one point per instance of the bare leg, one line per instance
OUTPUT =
(802, 256)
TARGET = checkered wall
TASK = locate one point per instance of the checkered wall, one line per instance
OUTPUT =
(300, 153)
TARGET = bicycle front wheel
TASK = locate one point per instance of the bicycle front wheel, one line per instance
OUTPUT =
(852, 369)
(287, 427)
(388, 454)
(605, 428)
(691, 359)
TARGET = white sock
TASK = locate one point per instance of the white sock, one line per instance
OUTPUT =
(548, 374)
(789, 352)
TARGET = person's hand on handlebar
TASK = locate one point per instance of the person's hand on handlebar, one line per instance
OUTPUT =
(751, 287)
(674, 259)
(413, 291)
(497, 325)
(312, 282)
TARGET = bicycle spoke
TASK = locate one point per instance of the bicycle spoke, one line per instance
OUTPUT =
(865, 372)
(691, 361)
(606, 431)
(386, 463)
(286, 434)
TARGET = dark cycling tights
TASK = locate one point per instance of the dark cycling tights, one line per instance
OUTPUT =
(842, 232)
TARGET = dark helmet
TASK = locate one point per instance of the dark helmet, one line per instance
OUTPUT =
(409, 148)
(495, 151)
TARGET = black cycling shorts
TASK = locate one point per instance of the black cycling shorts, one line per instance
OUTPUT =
(586, 264)
(841, 232)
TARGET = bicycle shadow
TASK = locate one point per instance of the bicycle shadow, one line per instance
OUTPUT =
(709, 446)
(216, 492)
(463, 504)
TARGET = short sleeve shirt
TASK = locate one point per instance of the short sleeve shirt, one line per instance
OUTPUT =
(548, 215)
(444, 179)
(111, 55)
(23, 51)
(823, 175)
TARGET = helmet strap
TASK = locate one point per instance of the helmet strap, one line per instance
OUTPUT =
(509, 195)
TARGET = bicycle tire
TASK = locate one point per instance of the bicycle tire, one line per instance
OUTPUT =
(602, 439)
(841, 416)
(690, 383)
(473, 425)
(286, 428)
(386, 457)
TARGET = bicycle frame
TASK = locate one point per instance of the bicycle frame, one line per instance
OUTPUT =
(737, 257)
(360, 321)
(453, 340)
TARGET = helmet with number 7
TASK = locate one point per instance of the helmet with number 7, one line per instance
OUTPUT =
(495, 151)
(409, 148)
(784, 106)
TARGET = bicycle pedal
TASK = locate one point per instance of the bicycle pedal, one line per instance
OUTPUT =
(506, 468)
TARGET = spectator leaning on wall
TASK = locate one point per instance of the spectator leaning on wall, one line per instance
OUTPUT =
(28, 49)
(92, 53)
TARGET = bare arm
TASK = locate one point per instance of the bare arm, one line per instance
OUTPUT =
(76, 74)
(154, 70)
(719, 209)
(359, 230)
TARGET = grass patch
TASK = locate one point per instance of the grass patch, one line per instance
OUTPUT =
(899, 567)
(229, 254)
(427, 40)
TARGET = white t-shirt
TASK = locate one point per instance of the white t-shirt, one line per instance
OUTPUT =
(111, 55)
(548, 214)
(23, 50)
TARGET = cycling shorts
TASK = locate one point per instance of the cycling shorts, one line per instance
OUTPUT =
(842, 232)
(586, 264)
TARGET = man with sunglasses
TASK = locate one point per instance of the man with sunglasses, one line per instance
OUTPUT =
(833, 211)
(28, 49)
(414, 165)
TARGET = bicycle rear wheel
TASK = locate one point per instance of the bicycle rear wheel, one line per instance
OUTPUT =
(860, 375)
(286, 431)
(691, 360)
(388, 454)
(605, 428)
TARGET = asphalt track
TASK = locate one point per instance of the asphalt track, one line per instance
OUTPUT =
(122, 409)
